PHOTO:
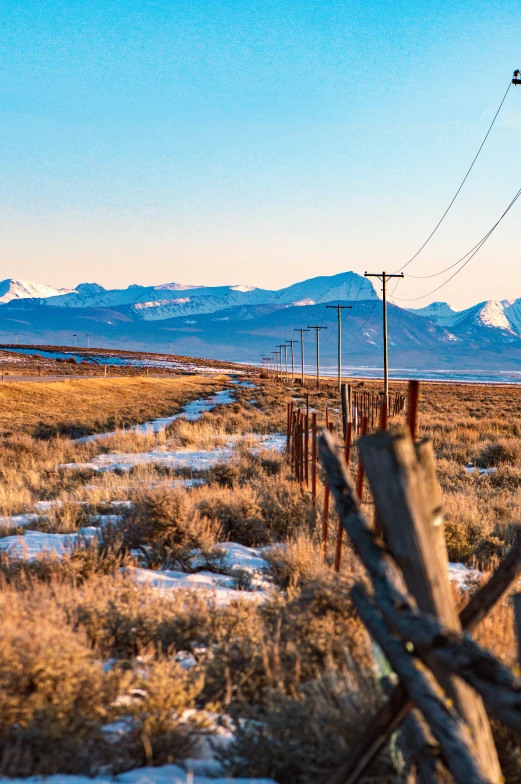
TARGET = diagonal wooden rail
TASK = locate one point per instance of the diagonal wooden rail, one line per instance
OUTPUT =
(367, 545)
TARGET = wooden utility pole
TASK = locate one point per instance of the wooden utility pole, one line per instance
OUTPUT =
(276, 370)
(317, 334)
(302, 330)
(292, 343)
(280, 347)
(339, 309)
(285, 347)
(384, 277)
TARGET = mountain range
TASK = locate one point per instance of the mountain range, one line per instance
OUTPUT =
(242, 322)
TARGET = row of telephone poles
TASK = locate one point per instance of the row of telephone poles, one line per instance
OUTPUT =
(278, 367)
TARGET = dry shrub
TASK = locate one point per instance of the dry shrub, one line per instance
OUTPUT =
(166, 530)
(295, 563)
(285, 508)
(301, 738)
(504, 450)
(284, 643)
(53, 694)
(83, 562)
(239, 514)
(506, 478)
(161, 730)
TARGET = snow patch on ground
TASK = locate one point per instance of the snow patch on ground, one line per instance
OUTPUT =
(34, 544)
(462, 575)
(18, 521)
(470, 469)
(222, 587)
(191, 412)
(165, 774)
(199, 460)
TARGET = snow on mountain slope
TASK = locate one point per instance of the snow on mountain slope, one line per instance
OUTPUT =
(505, 316)
(512, 310)
(27, 289)
(326, 288)
(492, 314)
(440, 312)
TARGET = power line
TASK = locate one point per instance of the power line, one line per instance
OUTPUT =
(472, 253)
(433, 232)
(477, 246)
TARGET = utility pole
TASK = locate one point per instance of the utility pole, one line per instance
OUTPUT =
(88, 340)
(286, 358)
(74, 336)
(282, 345)
(384, 277)
(292, 343)
(16, 336)
(170, 346)
(317, 334)
(339, 309)
(275, 361)
(301, 330)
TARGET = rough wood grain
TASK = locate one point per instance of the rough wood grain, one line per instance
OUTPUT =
(379, 565)
(447, 727)
(404, 491)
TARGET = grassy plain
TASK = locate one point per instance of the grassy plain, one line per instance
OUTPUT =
(82, 646)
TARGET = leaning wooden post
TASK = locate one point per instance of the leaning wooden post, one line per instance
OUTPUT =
(382, 425)
(360, 475)
(404, 509)
(314, 456)
(412, 409)
(294, 443)
(288, 428)
(517, 616)
(343, 395)
(349, 441)
(306, 449)
(325, 517)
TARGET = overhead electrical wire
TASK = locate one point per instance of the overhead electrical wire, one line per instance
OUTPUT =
(470, 255)
(433, 232)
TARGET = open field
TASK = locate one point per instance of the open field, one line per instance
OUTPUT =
(80, 407)
(184, 594)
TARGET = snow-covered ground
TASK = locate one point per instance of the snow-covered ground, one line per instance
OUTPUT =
(191, 412)
(199, 460)
(470, 469)
(166, 774)
(222, 587)
(146, 360)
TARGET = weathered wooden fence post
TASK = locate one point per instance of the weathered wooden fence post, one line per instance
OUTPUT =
(405, 507)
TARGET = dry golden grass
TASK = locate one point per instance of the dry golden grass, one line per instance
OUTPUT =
(79, 407)
(300, 665)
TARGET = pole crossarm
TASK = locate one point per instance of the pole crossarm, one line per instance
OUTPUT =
(339, 309)
(317, 337)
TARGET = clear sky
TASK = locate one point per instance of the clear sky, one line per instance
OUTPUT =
(257, 142)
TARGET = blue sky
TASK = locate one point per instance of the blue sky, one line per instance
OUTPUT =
(259, 143)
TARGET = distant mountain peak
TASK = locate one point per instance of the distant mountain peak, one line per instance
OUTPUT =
(27, 289)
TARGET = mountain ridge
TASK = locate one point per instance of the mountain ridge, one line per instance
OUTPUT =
(240, 321)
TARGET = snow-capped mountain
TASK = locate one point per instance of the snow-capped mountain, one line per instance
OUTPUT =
(154, 303)
(504, 316)
(440, 312)
(240, 321)
(27, 289)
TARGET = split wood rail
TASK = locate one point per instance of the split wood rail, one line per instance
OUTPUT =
(447, 682)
